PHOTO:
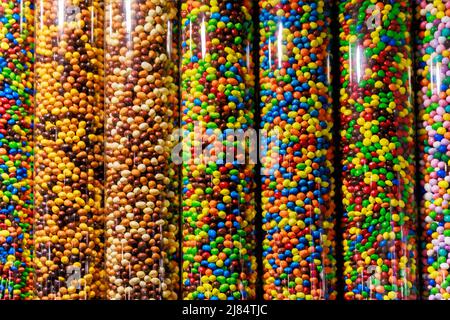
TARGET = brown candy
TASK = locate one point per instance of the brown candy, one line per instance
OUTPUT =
(69, 150)
(141, 99)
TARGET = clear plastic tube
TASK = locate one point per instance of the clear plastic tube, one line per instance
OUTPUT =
(141, 104)
(16, 143)
(434, 139)
(68, 135)
(298, 190)
(218, 206)
(377, 145)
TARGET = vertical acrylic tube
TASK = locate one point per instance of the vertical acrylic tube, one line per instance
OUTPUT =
(69, 150)
(141, 106)
(217, 120)
(16, 144)
(298, 188)
(378, 150)
(433, 75)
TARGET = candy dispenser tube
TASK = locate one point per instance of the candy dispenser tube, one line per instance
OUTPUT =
(218, 206)
(378, 151)
(16, 149)
(298, 190)
(434, 135)
(141, 106)
(69, 227)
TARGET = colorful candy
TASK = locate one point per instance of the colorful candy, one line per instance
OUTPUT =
(377, 145)
(16, 148)
(297, 191)
(141, 107)
(217, 88)
(69, 119)
(434, 140)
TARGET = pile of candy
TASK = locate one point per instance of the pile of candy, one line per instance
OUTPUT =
(296, 111)
(377, 145)
(218, 204)
(69, 119)
(16, 152)
(141, 108)
(434, 141)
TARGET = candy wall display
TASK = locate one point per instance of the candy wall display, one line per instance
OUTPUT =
(69, 117)
(297, 192)
(16, 148)
(217, 101)
(434, 137)
(141, 107)
(378, 147)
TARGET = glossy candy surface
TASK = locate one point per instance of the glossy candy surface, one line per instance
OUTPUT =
(218, 206)
(16, 148)
(296, 111)
(69, 118)
(141, 107)
(378, 148)
(434, 139)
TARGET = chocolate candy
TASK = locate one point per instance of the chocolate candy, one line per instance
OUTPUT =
(218, 206)
(377, 144)
(16, 148)
(69, 150)
(434, 140)
(297, 191)
(141, 105)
